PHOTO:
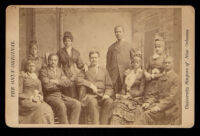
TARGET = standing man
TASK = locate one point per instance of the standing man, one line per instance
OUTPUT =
(165, 107)
(98, 91)
(54, 82)
(118, 59)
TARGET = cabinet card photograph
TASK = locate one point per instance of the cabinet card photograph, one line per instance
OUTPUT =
(88, 66)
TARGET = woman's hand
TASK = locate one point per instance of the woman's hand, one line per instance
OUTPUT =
(94, 88)
(127, 95)
(105, 96)
(85, 67)
(147, 75)
(155, 109)
(145, 105)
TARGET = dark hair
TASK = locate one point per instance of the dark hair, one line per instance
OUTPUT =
(33, 43)
(51, 55)
(69, 35)
(94, 52)
(28, 62)
(118, 26)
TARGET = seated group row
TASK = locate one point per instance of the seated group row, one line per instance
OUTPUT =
(123, 93)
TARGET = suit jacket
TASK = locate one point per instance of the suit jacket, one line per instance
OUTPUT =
(101, 80)
(67, 62)
(169, 95)
(49, 88)
(118, 59)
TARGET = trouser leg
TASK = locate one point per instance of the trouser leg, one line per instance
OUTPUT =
(58, 107)
(75, 109)
(106, 111)
(93, 110)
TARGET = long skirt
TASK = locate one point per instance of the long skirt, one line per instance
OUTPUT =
(127, 112)
(35, 113)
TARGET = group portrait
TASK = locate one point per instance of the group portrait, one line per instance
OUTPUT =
(100, 66)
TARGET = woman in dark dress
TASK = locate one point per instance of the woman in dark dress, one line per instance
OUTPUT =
(32, 108)
(71, 63)
(127, 109)
(153, 73)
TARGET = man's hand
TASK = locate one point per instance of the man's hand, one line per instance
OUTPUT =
(35, 99)
(54, 81)
(105, 96)
(94, 88)
(127, 95)
(155, 109)
(145, 105)
(85, 67)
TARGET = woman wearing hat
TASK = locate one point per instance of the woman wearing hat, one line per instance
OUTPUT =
(32, 108)
(70, 61)
(154, 71)
(34, 57)
(127, 109)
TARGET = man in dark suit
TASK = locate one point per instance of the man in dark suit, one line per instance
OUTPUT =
(118, 59)
(54, 82)
(98, 91)
(165, 107)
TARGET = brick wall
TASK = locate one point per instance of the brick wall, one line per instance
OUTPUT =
(167, 22)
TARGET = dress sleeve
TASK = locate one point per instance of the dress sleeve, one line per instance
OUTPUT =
(40, 88)
(21, 83)
(141, 87)
(79, 62)
(80, 80)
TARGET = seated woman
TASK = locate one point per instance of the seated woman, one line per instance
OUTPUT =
(153, 72)
(127, 109)
(33, 55)
(32, 108)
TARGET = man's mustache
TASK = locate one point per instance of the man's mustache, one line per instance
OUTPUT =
(53, 64)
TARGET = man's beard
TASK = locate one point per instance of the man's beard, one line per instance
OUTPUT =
(94, 64)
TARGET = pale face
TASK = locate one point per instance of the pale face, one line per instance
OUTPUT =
(67, 42)
(168, 64)
(94, 59)
(31, 68)
(53, 61)
(159, 47)
(34, 50)
(119, 33)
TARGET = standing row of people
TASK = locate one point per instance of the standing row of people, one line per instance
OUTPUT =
(122, 93)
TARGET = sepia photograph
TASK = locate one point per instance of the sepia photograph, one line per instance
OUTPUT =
(100, 66)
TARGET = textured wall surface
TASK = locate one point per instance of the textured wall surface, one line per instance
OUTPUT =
(167, 22)
(93, 29)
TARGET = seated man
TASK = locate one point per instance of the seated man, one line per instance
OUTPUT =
(99, 90)
(164, 109)
(53, 82)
